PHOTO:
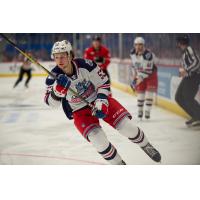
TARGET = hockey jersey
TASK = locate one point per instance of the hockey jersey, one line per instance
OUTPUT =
(26, 64)
(88, 80)
(190, 61)
(143, 65)
(102, 56)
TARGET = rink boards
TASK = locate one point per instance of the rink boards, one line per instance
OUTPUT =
(121, 78)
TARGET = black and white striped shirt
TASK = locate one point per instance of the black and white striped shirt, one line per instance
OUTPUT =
(190, 61)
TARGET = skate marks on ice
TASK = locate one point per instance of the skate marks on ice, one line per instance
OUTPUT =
(10, 159)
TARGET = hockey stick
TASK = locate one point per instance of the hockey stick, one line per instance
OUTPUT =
(34, 61)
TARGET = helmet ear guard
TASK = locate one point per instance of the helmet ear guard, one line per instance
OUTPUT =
(62, 47)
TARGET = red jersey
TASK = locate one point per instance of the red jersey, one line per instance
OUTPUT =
(101, 56)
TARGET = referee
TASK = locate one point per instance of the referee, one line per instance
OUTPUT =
(188, 88)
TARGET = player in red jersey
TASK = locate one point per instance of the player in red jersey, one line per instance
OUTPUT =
(99, 54)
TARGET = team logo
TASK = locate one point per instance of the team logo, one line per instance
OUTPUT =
(85, 88)
(81, 87)
(89, 62)
(148, 56)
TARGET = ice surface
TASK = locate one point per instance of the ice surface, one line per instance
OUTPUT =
(32, 133)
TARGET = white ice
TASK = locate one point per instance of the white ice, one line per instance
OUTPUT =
(32, 133)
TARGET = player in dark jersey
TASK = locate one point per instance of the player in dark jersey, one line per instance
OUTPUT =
(24, 69)
(190, 84)
(87, 79)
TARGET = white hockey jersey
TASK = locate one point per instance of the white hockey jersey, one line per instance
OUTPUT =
(88, 80)
(143, 65)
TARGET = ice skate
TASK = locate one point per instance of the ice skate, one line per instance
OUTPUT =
(192, 123)
(152, 152)
(140, 114)
(147, 114)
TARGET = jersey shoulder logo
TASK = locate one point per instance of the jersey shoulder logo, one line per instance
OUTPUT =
(89, 62)
(148, 55)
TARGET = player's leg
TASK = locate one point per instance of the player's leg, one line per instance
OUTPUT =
(151, 88)
(141, 97)
(140, 103)
(98, 139)
(128, 129)
(190, 91)
(120, 119)
(148, 103)
(29, 75)
(89, 127)
(181, 100)
(20, 77)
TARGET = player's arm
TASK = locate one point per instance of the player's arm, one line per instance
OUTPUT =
(56, 90)
(133, 72)
(134, 77)
(102, 86)
(55, 101)
(50, 98)
(86, 54)
(195, 61)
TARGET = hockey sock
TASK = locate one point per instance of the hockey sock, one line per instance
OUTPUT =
(140, 101)
(134, 133)
(148, 101)
(99, 140)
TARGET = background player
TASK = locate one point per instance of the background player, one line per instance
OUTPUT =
(88, 80)
(144, 73)
(99, 54)
(188, 88)
(24, 69)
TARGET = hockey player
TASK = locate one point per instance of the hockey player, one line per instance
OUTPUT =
(99, 54)
(24, 69)
(144, 76)
(189, 86)
(87, 79)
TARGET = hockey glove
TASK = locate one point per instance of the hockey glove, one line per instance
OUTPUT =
(100, 109)
(99, 60)
(61, 86)
(133, 85)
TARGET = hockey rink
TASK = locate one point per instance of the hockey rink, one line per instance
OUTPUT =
(33, 133)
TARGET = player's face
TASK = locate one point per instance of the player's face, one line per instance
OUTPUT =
(139, 48)
(62, 60)
(96, 44)
(181, 46)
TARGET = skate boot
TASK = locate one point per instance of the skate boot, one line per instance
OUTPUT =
(147, 114)
(192, 123)
(140, 114)
(152, 152)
